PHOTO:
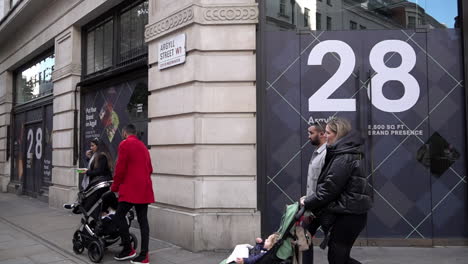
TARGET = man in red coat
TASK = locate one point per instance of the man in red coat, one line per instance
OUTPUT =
(132, 180)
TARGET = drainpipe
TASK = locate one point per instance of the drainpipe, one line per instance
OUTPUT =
(75, 128)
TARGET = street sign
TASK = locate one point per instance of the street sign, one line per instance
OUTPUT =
(171, 52)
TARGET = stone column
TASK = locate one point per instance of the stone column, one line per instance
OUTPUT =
(65, 77)
(6, 102)
(202, 128)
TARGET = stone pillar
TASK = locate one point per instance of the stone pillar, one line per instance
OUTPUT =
(202, 128)
(6, 101)
(65, 77)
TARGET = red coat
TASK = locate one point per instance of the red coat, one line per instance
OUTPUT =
(132, 178)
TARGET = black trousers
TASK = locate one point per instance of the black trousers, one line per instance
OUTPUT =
(343, 235)
(142, 215)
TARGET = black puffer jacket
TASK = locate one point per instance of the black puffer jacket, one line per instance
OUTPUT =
(342, 186)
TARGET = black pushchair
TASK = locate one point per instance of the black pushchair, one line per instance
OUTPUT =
(285, 250)
(95, 232)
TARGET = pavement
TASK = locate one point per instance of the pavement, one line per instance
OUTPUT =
(32, 232)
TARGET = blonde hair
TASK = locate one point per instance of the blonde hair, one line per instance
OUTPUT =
(274, 238)
(340, 126)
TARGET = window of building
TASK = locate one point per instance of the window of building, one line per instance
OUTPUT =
(329, 2)
(362, 27)
(306, 17)
(329, 23)
(116, 40)
(352, 25)
(99, 47)
(35, 79)
(318, 21)
(13, 3)
(411, 22)
(132, 33)
(282, 10)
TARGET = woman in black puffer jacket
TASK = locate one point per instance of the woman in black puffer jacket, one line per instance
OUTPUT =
(342, 190)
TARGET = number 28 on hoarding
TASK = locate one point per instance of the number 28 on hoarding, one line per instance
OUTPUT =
(320, 101)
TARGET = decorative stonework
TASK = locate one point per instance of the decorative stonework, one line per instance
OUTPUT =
(169, 24)
(245, 14)
(208, 15)
(70, 69)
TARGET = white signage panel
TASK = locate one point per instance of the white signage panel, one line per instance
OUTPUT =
(171, 52)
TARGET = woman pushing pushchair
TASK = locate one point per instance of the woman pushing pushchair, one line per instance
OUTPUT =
(97, 205)
(342, 196)
(99, 170)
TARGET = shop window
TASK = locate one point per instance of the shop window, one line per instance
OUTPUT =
(352, 25)
(116, 40)
(35, 79)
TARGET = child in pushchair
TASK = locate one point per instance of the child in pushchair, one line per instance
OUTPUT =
(97, 231)
(283, 247)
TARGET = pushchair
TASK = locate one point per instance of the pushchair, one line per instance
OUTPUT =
(285, 250)
(96, 233)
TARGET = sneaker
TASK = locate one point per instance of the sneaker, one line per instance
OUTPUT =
(141, 259)
(125, 254)
(68, 206)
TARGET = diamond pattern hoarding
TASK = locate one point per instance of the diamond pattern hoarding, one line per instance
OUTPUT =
(412, 121)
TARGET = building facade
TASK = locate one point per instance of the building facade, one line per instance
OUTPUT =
(201, 80)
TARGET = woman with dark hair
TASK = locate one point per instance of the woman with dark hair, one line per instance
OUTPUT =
(342, 193)
(99, 170)
(99, 165)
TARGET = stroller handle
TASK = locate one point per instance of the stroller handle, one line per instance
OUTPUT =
(299, 213)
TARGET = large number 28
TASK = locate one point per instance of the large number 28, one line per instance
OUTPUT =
(320, 101)
(38, 147)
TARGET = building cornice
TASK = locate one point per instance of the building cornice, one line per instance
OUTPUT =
(204, 15)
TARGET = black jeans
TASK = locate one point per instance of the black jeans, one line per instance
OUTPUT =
(343, 235)
(142, 215)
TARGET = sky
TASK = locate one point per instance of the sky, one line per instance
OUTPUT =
(443, 10)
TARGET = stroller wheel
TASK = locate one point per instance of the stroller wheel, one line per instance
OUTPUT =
(133, 241)
(96, 251)
(78, 245)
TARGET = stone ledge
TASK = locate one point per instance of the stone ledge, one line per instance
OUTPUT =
(199, 97)
(204, 231)
(205, 160)
(203, 192)
(205, 15)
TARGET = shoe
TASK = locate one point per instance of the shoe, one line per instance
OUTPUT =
(141, 259)
(125, 254)
(68, 206)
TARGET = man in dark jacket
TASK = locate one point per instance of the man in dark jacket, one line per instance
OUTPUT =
(342, 189)
(132, 180)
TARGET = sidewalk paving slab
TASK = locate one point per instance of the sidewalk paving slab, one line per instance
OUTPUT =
(44, 229)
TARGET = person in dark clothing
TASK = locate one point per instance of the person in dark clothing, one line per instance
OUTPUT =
(99, 165)
(342, 190)
(99, 169)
